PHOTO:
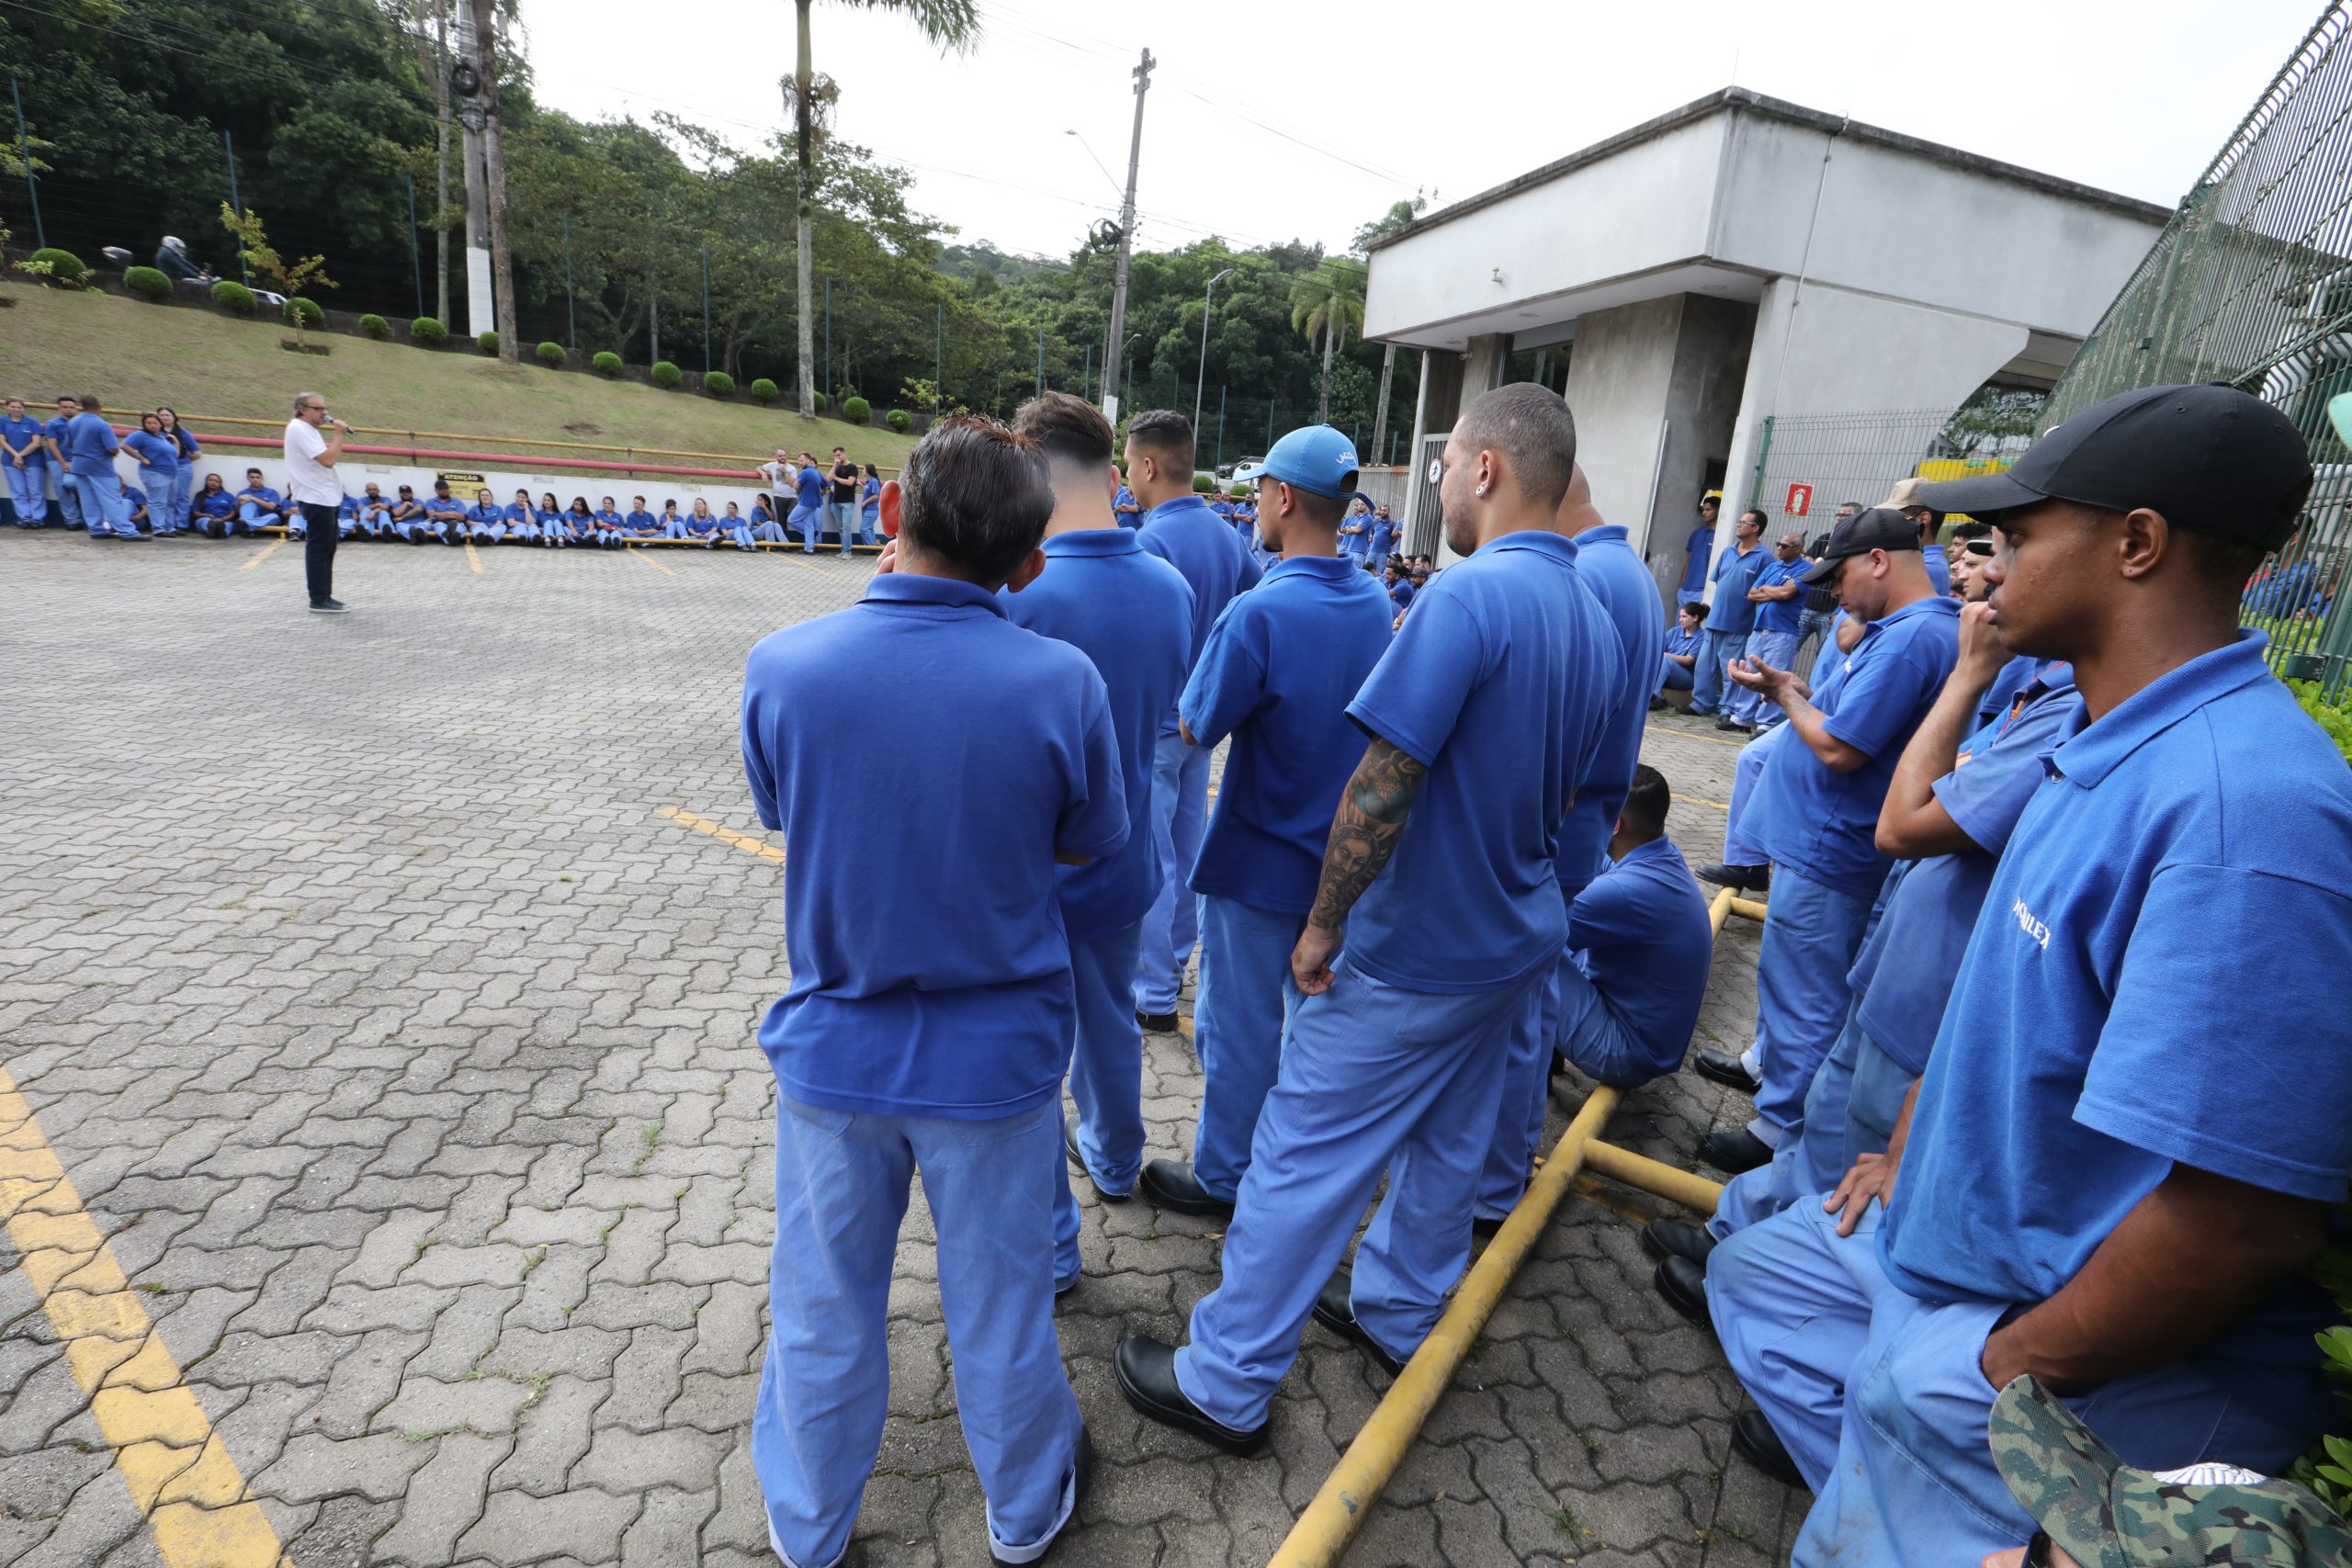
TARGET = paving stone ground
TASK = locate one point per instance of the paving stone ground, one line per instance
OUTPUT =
(405, 1056)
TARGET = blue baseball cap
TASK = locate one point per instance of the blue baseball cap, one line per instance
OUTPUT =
(1315, 458)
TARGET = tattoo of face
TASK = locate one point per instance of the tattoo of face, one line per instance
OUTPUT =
(1365, 828)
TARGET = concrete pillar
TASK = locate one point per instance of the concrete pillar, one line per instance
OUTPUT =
(1775, 316)
(1435, 407)
(1484, 364)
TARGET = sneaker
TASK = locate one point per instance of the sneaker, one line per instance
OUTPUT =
(329, 607)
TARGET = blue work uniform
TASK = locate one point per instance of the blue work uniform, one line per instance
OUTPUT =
(486, 524)
(1698, 549)
(1277, 674)
(135, 499)
(1629, 994)
(672, 524)
(1939, 567)
(258, 506)
(1774, 638)
(1186, 534)
(808, 488)
(90, 447)
(213, 511)
(1673, 677)
(159, 470)
(446, 514)
(1125, 507)
(1131, 615)
(69, 493)
(184, 484)
(2122, 1010)
(869, 516)
(642, 525)
(1401, 595)
(1729, 620)
(1384, 538)
(927, 1025)
(1819, 828)
(703, 526)
(1355, 536)
(1500, 684)
(518, 520)
(29, 484)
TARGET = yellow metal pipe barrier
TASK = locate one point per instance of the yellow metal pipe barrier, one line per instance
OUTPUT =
(1653, 1177)
(499, 440)
(1746, 908)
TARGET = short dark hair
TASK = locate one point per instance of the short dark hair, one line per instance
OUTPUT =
(975, 495)
(1696, 609)
(1165, 433)
(1065, 429)
(1323, 510)
(1531, 427)
(1644, 812)
(89, 401)
(1971, 529)
(1757, 512)
(253, 472)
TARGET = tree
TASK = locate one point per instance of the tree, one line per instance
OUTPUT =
(255, 249)
(493, 142)
(1322, 304)
(945, 24)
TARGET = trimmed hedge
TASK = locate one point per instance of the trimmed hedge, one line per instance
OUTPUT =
(147, 283)
(375, 326)
(305, 313)
(608, 365)
(857, 411)
(65, 270)
(900, 421)
(821, 405)
(763, 392)
(719, 383)
(1203, 484)
(234, 298)
(551, 354)
(487, 342)
(666, 375)
(428, 331)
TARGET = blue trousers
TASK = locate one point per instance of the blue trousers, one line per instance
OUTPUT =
(1708, 685)
(840, 1192)
(1180, 799)
(183, 494)
(1673, 677)
(1372, 1077)
(1105, 1078)
(27, 492)
(1849, 1111)
(769, 533)
(740, 535)
(1245, 996)
(1882, 1399)
(156, 483)
(806, 519)
(1776, 648)
(1802, 998)
(69, 500)
(104, 506)
(1524, 1099)
(1747, 768)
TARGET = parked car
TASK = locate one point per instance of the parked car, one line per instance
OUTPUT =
(1225, 470)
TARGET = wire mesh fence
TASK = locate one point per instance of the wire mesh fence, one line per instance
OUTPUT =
(2251, 284)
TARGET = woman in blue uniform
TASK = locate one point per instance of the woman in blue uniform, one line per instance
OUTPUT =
(159, 470)
(24, 456)
(183, 488)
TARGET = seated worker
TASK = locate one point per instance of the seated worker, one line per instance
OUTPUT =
(735, 530)
(554, 531)
(701, 527)
(213, 509)
(639, 524)
(808, 489)
(1399, 586)
(258, 506)
(141, 518)
(612, 528)
(1675, 666)
(447, 515)
(671, 526)
(346, 519)
(406, 518)
(485, 519)
(518, 521)
(765, 527)
(375, 512)
(579, 523)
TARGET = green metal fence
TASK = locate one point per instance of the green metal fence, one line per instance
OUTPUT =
(2251, 284)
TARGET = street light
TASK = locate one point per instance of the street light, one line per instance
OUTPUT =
(1098, 162)
(1200, 382)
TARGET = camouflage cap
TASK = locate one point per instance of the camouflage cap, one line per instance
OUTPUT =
(2105, 1514)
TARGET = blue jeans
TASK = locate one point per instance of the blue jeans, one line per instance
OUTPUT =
(1708, 686)
(1105, 1078)
(1776, 648)
(1245, 996)
(1374, 1078)
(841, 1180)
(27, 492)
(1802, 997)
(1180, 798)
(843, 516)
(104, 506)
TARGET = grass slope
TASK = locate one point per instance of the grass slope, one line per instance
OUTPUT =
(135, 355)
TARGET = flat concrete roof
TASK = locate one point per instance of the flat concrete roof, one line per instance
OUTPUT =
(1740, 100)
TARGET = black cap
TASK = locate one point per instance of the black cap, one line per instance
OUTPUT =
(1879, 528)
(2210, 458)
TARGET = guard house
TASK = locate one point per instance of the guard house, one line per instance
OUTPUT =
(1742, 258)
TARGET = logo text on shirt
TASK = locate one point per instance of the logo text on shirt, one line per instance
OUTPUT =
(2028, 924)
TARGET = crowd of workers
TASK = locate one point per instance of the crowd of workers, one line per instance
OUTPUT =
(2040, 1102)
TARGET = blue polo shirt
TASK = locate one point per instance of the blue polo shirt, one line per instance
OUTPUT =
(214, 503)
(517, 513)
(1628, 595)
(1734, 613)
(89, 446)
(1131, 615)
(1123, 508)
(609, 518)
(808, 489)
(1904, 975)
(156, 454)
(1939, 569)
(1634, 932)
(2000, 698)
(266, 498)
(1402, 595)
(1186, 534)
(642, 522)
(18, 430)
(1500, 682)
(1383, 535)
(930, 971)
(1358, 543)
(1280, 666)
(1825, 823)
(1699, 545)
(1780, 615)
(485, 514)
(2157, 977)
(1683, 642)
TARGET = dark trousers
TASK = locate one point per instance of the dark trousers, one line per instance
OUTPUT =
(320, 527)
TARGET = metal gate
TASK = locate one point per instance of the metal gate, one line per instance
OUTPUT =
(1424, 518)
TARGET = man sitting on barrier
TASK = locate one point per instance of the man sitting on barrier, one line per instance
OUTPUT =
(446, 513)
(258, 506)
(1483, 712)
(2121, 1160)
(407, 518)
(641, 523)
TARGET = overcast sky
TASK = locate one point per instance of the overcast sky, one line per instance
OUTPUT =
(1273, 121)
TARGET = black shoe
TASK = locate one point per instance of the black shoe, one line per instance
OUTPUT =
(1663, 1239)
(1738, 878)
(1067, 1286)
(1082, 1477)
(1170, 1184)
(1070, 1144)
(1485, 1226)
(1734, 1151)
(1335, 1312)
(329, 607)
(1146, 1372)
(1726, 1069)
(1684, 1285)
(1659, 705)
(1738, 726)
(1156, 1022)
(1753, 1440)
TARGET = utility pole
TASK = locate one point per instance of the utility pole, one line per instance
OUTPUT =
(493, 153)
(1201, 382)
(25, 152)
(1142, 74)
(440, 72)
(466, 82)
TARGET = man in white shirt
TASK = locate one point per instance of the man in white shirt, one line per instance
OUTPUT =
(783, 476)
(311, 484)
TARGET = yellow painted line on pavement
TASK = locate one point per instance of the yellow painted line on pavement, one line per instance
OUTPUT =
(1698, 800)
(1686, 735)
(724, 834)
(473, 560)
(180, 1477)
(640, 555)
(263, 554)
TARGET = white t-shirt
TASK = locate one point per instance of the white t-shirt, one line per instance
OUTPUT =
(783, 477)
(306, 478)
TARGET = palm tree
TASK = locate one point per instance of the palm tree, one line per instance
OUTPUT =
(1322, 304)
(946, 24)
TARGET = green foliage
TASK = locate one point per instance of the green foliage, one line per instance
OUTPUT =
(234, 298)
(820, 402)
(763, 392)
(856, 410)
(923, 394)
(900, 421)
(487, 342)
(667, 376)
(375, 326)
(428, 331)
(551, 354)
(608, 365)
(291, 277)
(2335, 718)
(719, 383)
(57, 268)
(305, 313)
(1203, 484)
(147, 283)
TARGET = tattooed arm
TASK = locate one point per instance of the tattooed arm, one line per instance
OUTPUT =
(1364, 835)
